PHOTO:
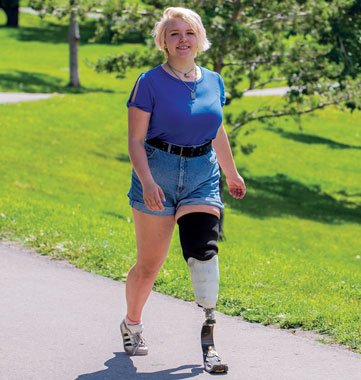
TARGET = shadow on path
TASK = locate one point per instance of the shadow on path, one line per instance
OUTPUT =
(279, 195)
(122, 367)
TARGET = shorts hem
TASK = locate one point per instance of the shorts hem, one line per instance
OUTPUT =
(168, 211)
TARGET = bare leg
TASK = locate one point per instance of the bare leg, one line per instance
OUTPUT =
(153, 236)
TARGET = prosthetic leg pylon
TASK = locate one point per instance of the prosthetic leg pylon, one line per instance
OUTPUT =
(212, 361)
(198, 235)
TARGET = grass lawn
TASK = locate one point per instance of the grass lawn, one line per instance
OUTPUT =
(292, 253)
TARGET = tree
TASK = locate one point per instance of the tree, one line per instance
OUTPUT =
(75, 9)
(312, 45)
(11, 8)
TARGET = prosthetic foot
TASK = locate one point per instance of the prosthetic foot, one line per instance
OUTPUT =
(212, 361)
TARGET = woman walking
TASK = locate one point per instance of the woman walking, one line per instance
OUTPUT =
(176, 139)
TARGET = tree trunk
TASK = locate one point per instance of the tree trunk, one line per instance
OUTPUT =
(73, 38)
(12, 14)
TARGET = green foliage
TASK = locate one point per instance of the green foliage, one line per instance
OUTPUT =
(119, 17)
(62, 8)
(120, 63)
(343, 34)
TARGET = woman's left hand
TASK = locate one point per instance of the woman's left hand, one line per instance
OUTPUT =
(236, 186)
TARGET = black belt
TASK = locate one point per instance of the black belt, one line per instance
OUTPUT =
(184, 151)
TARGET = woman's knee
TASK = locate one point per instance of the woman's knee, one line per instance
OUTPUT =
(147, 271)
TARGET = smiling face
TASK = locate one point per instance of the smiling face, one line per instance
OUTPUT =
(180, 39)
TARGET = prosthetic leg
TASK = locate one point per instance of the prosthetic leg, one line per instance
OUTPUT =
(198, 235)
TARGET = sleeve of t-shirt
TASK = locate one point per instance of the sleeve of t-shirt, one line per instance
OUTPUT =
(222, 92)
(144, 98)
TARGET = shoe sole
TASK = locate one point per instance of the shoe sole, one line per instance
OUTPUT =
(218, 368)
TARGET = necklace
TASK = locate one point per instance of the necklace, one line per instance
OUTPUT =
(185, 74)
(192, 90)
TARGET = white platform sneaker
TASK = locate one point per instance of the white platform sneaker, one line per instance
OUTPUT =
(133, 341)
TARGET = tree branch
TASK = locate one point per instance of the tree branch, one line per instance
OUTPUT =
(278, 18)
(345, 55)
(281, 114)
(256, 61)
(261, 85)
(236, 10)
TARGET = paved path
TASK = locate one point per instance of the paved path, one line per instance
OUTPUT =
(58, 322)
(268, 91)
(14, 97)
(95, 15)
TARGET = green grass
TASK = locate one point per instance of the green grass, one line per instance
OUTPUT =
(292, 253)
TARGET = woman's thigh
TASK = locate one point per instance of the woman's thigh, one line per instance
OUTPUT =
(153, 236)
(187, 209)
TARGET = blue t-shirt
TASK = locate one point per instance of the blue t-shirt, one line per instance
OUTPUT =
(177, 118)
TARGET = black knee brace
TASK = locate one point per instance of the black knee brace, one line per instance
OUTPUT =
(198, 232)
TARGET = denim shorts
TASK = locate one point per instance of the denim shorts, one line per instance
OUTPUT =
(184, 181)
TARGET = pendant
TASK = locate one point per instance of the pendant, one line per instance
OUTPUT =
(193, 95)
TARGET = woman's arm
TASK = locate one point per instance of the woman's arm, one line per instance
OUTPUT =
(138, 122)
(235, 182)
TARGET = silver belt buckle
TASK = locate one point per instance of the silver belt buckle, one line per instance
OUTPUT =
(181, 151)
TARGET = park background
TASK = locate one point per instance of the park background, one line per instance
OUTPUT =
(291, 256)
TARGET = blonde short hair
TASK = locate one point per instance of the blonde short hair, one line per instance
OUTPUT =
(187, 15)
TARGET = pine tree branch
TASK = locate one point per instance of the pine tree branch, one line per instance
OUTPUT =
(244, 63)
(281, 114)
(261, 85)
(279, 17)
(236, 9)
(255, 61)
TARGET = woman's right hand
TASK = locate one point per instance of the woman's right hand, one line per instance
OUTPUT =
(153, 196)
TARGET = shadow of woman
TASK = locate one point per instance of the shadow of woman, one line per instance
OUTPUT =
(122, 367)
